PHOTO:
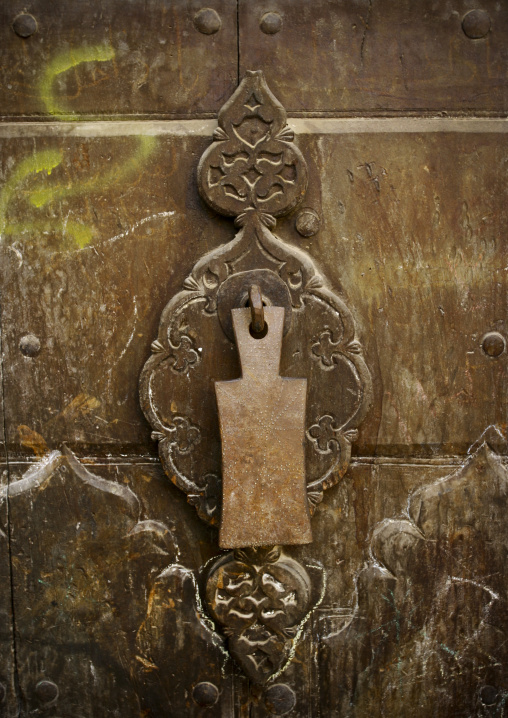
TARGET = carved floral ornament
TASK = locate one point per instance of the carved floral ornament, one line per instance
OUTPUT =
(253, 172)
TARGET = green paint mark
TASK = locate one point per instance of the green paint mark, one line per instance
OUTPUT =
(104, 181)
(74, 234)
(62, 63)
(44, 161)
(82, 234)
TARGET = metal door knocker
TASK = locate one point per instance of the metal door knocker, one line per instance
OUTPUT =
(255, 434)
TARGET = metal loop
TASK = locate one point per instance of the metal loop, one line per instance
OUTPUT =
(256, 308)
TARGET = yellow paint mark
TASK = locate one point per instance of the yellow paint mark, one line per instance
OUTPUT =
(100, 181)
(44, 161)
(74, 234)
(81, 405)
(80, 235)
(151, 599)
(62, 63)
(147, 664)
(31, 439)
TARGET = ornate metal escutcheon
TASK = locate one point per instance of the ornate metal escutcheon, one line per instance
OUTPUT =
(255, 437)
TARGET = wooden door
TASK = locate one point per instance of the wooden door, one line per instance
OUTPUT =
(399, 113)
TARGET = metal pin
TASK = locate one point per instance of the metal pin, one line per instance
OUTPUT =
(256, 309)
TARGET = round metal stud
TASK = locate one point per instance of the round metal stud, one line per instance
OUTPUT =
(205, 694)
(308, 223)
(476, 24)
(207, 20)
(24, 25)
(46, 691)
(30, 345)
(488, 695)
(493, 344)
(280, 699)
(271, 23)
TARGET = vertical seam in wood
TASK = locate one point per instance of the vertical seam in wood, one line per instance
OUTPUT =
(238, 41)
(8, 518)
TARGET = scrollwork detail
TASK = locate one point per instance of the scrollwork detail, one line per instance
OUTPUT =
(260, 598)
(252, 163)
(239, 175)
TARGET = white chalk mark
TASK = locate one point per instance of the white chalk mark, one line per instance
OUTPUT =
(132, 228)
(17, 253)
(129, 340)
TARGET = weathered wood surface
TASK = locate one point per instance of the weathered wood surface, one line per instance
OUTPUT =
(106, 58)
(413, 234)
(88, 270)
(101, 224)
(369, 57)
(8, 699)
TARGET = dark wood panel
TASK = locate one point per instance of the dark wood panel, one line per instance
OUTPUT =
(94, 307)
(107, 595)
(428, 634)
(108, 617)
(413, 231)
(412, 234)
(8, 693)
(378, 57)
(109, 58)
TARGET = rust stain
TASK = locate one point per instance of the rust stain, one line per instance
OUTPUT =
(31, 439)
(81, 405)
(147, 664)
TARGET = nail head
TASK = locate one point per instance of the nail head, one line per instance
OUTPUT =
(476, 24)
(271, 23)
(308, 223)
(493, 344)
(205, 694)
(24, 25)
(207, 21)
(280, 699)
(30, 345)
(46, 691)
(488, 695)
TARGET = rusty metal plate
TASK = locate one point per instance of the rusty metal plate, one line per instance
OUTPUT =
(262, 421)
(104, 58)
(379, 57)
